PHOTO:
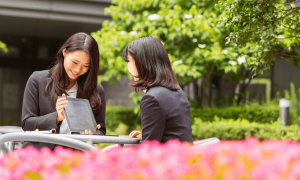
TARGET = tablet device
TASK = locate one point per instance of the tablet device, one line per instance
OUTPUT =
(79, 116)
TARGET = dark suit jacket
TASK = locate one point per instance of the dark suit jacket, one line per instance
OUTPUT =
(39, 113)
(165, 115)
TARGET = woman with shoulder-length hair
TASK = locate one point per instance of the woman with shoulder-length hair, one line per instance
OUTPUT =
(165, 109)
(74, 75)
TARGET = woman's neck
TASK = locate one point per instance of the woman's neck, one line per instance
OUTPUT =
(72, 83)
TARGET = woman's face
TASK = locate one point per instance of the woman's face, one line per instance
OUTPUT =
(132, 68)
(76, 63)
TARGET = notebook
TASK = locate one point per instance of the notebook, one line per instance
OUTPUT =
(79, 116)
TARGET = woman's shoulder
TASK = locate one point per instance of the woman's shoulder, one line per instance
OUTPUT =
(156, 93)
(161, 91)
(100, 88)
(40, 74)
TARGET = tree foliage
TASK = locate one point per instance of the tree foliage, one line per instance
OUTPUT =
(3, 47)
(189, 30)
(269, 27)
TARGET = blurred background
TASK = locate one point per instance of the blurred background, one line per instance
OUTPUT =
(219, 81)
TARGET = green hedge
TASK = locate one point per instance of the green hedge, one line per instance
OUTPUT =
(259, 114)
(116, 115)
(224, 129)
(241, 129)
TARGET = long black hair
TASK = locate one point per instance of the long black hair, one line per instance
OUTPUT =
(87, 83)
(152, 63)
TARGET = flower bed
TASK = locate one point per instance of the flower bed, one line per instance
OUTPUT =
(248, 159)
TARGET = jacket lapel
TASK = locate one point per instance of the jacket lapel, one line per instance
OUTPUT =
(50, 86)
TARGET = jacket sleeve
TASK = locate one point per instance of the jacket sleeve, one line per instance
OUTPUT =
(31, 118)
(152, 119)
(100, 117)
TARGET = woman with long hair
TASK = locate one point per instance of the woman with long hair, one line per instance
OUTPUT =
(164, 109)
(74, 74)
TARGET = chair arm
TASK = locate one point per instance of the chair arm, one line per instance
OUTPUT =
(47, 138)
(205, 142)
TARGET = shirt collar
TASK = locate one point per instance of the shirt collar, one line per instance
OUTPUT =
(74, 88)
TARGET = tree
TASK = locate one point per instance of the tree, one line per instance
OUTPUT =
(270, 27)
(189, 30)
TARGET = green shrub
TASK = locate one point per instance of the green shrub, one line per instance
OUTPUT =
(118, 116)
(122, 120)
(293, 95)
(259, 114)
(240, 129)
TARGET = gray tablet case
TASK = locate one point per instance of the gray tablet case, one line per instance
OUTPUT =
(79, 116)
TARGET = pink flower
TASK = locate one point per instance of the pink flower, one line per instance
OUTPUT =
(247, 159)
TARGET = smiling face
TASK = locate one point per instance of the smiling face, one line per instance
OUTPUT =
(76, 63)
(132, 68)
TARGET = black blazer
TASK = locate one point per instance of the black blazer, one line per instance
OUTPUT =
(39, 113)
(165, 115)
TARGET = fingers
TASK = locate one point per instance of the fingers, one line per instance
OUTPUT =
(60, 109)
(86, 132)
(134, 134)
(61, 106)
(89, 131)
(63, 98)
(59, 103)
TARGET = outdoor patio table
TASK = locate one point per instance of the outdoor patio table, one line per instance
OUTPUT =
(96, 139)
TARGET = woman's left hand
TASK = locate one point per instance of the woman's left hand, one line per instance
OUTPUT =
(89, 131)
(136, 134)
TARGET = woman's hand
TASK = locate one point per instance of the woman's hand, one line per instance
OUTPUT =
(136, 134)
(60, 105)
(89, 131)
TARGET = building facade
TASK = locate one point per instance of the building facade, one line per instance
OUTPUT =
(33, 31)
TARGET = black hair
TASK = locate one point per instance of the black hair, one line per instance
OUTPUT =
(152, 63)
(87, 83)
